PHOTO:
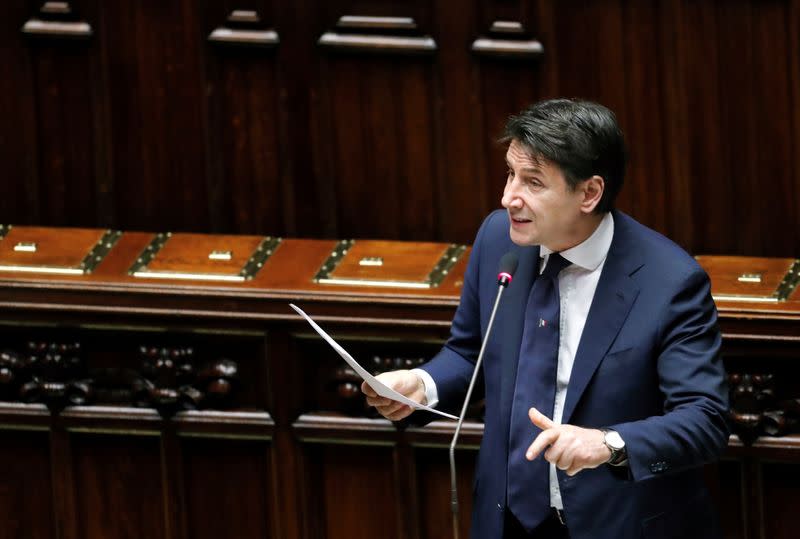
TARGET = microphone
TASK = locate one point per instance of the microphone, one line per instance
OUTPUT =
(508, 265)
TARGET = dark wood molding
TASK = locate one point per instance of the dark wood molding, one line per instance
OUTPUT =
(334, 41)
(57, 20)
(507, 48)
(245, 28)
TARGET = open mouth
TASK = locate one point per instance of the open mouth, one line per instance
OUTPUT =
(519, 220)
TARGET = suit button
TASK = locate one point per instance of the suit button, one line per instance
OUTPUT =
(499, 507)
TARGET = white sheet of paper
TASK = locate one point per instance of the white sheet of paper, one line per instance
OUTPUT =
(381, 389)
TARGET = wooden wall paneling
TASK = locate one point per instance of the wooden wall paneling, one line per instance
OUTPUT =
(644, 193)
(725, 482)
(118, 483)
(177, 508)
(158, 115)
(735, 132)
(673, 41)
(379, 182)
(18, 147)
(507, 85)
(774, 188)
(358, 489)
(309, 192)
(406, 490)
(379, 101)
(65, 496)
(26, 485)
(105, 211)
(706, 154)
(284, 401)
(66, 140)
(433, 490)
(793, 21)
(588, 64)
(780, 498)
(461, 185)
(752, 486)
(244, 151)
(228, 486)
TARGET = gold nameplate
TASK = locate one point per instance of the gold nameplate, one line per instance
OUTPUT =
(25, 247)
(220, 255)
(371, 261)
(749, 278)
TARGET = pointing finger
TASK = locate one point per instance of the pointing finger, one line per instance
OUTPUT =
(540, 420)
(545, 438)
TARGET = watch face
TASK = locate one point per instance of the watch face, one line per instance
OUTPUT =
(614, 440)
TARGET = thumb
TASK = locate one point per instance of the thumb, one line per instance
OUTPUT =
(540, 420)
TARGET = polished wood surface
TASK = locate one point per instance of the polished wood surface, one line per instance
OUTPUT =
(192, 253)
(411, 262)
(746, 276)
(38, 246)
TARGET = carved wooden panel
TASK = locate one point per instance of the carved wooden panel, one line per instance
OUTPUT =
(131, 370)
(764, 389)
(227, 486)
(105, 467)
(334, 387)
(26, 507)
(340, 480)
(780, 497)
(729, 489)
(433, 491)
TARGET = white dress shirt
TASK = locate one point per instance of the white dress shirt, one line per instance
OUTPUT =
(576, 286)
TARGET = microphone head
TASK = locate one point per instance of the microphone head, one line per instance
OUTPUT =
(508, 265)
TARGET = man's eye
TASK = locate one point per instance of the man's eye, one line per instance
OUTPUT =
(509, 172)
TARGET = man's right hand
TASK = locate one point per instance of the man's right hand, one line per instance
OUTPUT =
(404, 382)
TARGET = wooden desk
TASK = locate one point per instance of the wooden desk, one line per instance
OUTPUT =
(186, 407)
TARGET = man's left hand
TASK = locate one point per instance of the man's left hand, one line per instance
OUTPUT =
(571, 448)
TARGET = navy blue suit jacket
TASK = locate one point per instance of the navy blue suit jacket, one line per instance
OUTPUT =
(648, 366)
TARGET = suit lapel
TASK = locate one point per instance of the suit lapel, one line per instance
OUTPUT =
(613, 299)
(510, 337)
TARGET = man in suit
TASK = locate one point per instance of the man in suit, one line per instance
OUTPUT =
(603, 385)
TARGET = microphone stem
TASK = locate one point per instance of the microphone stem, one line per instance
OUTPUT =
(453, 487)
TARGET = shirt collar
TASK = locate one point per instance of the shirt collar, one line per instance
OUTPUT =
(591, 252)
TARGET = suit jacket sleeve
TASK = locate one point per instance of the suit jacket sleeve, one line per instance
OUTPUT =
(694, 427)
(453, 366)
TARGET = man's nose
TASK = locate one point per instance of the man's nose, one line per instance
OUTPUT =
(510, 195)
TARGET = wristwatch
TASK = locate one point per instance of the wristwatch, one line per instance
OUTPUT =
(615, 444)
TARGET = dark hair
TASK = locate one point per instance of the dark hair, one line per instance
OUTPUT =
(581, 137)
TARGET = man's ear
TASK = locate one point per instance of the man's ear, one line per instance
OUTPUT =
(592, 191)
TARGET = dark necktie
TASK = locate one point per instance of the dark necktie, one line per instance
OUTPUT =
(529, 482)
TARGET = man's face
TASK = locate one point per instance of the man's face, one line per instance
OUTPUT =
(541, 207)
